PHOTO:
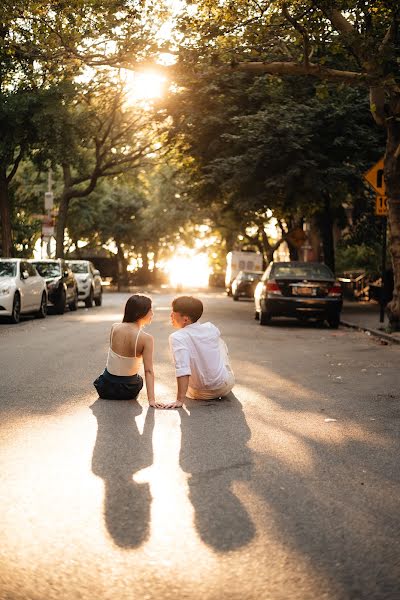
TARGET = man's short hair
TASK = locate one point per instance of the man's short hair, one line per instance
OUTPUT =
(188, 306)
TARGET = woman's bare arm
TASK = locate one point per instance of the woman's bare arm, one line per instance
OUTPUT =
(148, 350)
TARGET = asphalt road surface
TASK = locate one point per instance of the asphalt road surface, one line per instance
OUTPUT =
(288, 489)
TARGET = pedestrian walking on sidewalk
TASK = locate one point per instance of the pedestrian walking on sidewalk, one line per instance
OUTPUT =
(129, 346)
(200, 355)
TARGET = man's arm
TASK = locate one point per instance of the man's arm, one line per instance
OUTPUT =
(181, 357)
(182, 384)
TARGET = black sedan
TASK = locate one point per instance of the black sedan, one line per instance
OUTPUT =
(62, 288)
(244, 284)
(300, 290)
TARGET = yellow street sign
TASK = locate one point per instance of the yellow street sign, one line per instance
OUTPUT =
(375, 178)
(381, 207)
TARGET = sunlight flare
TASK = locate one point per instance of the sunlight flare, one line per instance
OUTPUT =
(144, 85)
(189, 270)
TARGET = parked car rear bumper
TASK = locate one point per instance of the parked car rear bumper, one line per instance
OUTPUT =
(244, 292)
(295, 307)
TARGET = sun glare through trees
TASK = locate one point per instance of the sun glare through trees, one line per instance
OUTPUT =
(188, 269)
(145, 85)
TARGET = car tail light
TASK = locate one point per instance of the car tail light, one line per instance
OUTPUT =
(273, 288)
(335, 290)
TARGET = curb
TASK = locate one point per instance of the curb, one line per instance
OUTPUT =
(375, 332)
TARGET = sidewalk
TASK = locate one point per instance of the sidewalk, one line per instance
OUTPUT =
(365, 316)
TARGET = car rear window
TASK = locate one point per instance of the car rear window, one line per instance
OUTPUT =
(46, 269)
(78, 267)
(310, 271)
(251, 275)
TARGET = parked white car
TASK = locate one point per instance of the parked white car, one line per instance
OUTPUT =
(22, 290)
(89, 281)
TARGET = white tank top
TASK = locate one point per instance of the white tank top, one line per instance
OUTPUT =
(122, 365)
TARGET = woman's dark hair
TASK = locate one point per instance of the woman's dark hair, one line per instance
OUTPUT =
(188, 306)
(136, 308)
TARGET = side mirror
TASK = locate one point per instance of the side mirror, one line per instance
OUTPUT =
(24, 275)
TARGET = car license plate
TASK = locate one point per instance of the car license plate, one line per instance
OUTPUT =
(304, 291)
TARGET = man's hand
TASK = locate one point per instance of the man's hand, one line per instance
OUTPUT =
(176, 404)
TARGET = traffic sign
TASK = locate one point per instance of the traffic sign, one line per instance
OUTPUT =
(381, 206)
(375, 177)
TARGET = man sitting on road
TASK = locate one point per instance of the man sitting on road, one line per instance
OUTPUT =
(199, 353)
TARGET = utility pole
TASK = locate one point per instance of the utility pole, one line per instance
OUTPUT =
(48, 221)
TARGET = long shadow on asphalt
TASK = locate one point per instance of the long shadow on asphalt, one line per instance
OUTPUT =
(332, 489)
(215, 454)
(340, 516)
(119, 452)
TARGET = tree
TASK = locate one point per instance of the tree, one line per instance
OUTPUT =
(142, 213)
(355, 43)
(107, 138)
(23, 114)
(287, 146)
(44, 45)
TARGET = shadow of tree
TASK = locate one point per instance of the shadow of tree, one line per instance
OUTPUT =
(119, 452)
(341, 515)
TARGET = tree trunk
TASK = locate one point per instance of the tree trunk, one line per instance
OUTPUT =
(392, 182)
(293, 252)
(61, 224)
(230, 237)
(145, 263)
(5, 216)
(324, 221)
(122, 265)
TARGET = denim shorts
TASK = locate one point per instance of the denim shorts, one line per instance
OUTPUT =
(118, 387)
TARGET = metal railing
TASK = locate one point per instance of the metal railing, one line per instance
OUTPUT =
(355, 285)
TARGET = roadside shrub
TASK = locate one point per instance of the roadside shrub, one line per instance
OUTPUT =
(359, 257)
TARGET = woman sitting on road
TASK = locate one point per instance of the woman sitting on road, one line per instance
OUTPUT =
(128, 346)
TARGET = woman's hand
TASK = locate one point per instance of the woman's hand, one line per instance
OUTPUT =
(155, 404)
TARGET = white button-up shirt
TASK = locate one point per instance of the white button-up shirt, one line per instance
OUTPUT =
(199, 351)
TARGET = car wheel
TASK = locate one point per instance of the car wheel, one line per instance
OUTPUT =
(99, 299)
(74, 304)
(42, 312)
(60, 304)
(16, 309)
(257, 315)
(334, 321)
(265, 318)
(89, 299)
(236, 298)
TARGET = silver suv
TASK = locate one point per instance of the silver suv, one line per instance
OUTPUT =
(89, 281)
